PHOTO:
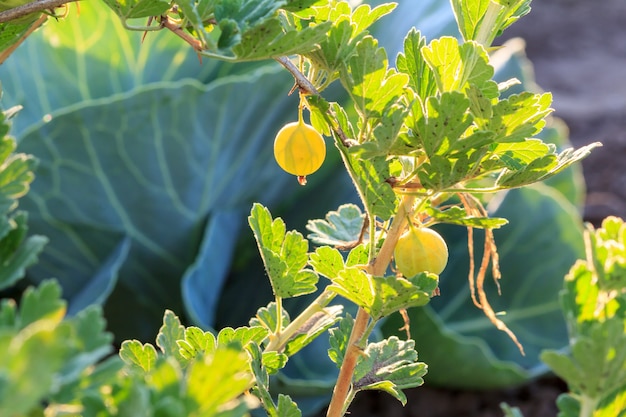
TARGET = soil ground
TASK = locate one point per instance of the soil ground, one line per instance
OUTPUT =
(578, 49)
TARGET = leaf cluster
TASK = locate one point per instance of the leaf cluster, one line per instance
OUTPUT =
(45, 356)
(17, 251)
(594, 304)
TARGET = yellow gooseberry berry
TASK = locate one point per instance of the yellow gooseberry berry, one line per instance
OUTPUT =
(420, 249)
(299, 149)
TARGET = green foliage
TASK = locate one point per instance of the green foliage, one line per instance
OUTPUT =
(483, 20)
(451, 329)
(593, 302)
(98, 243)
(417, 141)
(193, 372)
(16, 173)
(341, 227)
(390, 365)
(284, 255)
(44, 354)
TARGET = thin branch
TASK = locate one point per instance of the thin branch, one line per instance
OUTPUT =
(167, 23)
(303, 82)
(33, 7)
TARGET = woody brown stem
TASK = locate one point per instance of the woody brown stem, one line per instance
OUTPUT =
(377, 268)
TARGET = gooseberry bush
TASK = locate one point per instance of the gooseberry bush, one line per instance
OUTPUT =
(425, 140)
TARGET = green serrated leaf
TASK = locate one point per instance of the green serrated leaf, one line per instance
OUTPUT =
(469, 15)
(16, 252)
(133, 9)
(90, 328)
(241, 336)
(484, 20)
(390, 365)
(412, 63)
(519, 117)
(261, 376)
(169, 334)
(378, 296)
(339, 337)
(348, 29)
(284, 254)
(137, 355)
(196, 343)
(341, 227)
(43, 302)
(371, 177)
(274, 361)
(287, 407)
(516, 155)
(359, 255)
(327, 261)
(458, 215)
(266, 317)
(543, 167)
(598, 363)
(218, 379)
(270, 40)
(371, 84)
(438, 125)
(30, 361)
(457, 66)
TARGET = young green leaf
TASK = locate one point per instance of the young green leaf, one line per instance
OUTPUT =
(341, 227)
(483, 20)
(327, 261)
(438, 125)
(218, 379)
(457, 66)
(261, 388)
(30, 363)
(169, 334)
(339, 337)
(134, 9)
(597, 367)
(137, 355)
(266, 317)
(595, 370)
(287, 407)
(370, 176)
(390, 365)
(348, 28)
(241, 336)
(196, 343)
(412, 63)
(518, 117)
(371, 84)
(543, 167)
(16, 251)
(271, 39)
(43, 302)
(378, 296)
(284, 254)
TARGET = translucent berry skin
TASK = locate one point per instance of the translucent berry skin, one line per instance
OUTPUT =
(299, 149)
(420, 249)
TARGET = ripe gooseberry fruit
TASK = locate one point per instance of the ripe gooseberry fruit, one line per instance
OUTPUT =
(299, 149)
(420, 249)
